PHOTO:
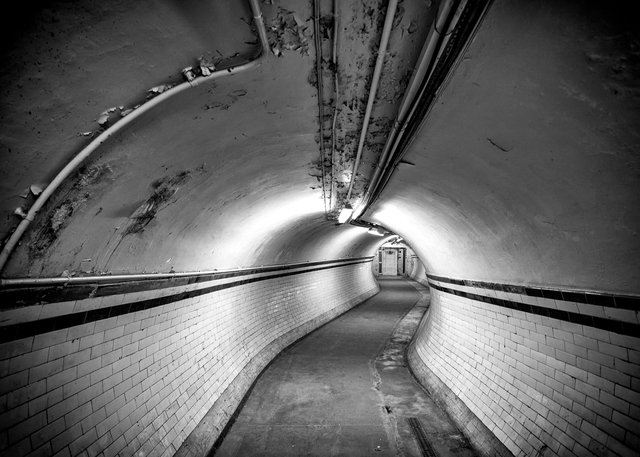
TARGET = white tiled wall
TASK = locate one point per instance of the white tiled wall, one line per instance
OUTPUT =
(417, 272)
(543, 386)
(139, 383)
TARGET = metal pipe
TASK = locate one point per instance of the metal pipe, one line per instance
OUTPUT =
(462, 24)
(336, 87)
(13, 240)
(262, 31)
(421, 70)
(318, 43)
(61, 281)
(425, 62)
(452, 21)
(382, 49)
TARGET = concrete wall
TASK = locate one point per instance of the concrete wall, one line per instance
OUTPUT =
(133, 367)
(547, 372)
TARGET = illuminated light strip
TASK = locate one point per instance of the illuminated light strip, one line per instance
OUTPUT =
(36, 327)
(345, 214)
(611, 325)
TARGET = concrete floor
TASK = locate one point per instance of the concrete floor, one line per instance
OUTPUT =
(345, 390)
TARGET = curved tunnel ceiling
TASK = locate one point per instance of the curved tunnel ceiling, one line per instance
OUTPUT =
(224, 175)
(524, 170)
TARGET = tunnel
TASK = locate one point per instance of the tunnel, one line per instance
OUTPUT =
(191, 187)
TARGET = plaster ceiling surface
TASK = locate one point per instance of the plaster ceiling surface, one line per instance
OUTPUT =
(67, 62)
(359, 27)
(225, 174)
(526, 169)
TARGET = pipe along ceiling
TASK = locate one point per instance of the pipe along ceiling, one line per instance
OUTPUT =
(149, 147)
(499, 139)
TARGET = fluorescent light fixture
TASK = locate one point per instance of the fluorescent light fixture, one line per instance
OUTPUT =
(357, 212)
(345, 214)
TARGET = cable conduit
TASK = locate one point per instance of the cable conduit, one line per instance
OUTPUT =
(421, 71)
(318, 44)
(382, 50)
(336, 87)
(460, 33)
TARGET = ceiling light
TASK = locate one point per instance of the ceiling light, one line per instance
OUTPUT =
(345, 214)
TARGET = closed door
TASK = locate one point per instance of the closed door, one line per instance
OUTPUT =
(389, 262)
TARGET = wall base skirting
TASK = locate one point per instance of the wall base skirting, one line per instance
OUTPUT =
(482, 439)
(203, 438)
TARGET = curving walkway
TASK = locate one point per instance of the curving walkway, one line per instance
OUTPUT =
(345, 390)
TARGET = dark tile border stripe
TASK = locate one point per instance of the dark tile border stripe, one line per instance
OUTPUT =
(26, 295)
(27, 329)
(608, 300)
(611, 325)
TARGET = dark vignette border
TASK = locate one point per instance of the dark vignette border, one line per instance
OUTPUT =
(608, 300)
(611, 325)
(32, 328)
